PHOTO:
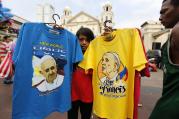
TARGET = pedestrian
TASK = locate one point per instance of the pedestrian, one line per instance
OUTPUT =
(168, 105)
(82, 96)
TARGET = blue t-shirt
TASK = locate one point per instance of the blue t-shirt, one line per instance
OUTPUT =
(43, 60)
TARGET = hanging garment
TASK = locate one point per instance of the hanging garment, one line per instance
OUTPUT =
(43, 60)
(114, 64)
(6, 66)
(137, 83)
(3, 49)
(5, 61)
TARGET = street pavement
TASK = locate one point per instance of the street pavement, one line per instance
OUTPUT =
(150, 92)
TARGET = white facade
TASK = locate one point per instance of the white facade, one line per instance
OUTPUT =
(107, 13)
(39, 13)
(153, 33)
(17, 21)
(67, 15)
(82, 19)
(161, 36)
(45, 12)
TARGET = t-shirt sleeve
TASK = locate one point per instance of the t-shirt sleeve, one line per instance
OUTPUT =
(18, 45)
(77, 52)
(139, 59)
(88, 61)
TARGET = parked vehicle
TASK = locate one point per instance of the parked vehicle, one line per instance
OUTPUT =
(154, 57)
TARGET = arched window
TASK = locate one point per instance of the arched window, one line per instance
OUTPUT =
(107, 8)
(65, 13)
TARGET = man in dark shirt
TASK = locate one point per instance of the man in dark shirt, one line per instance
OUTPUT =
(168, 105)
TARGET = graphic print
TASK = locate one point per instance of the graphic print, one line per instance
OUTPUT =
(112, 75)
(48, 64)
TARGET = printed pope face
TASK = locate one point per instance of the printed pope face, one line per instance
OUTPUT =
(112, 75)
(49, 70)
(48, 64)
(46, 77)
(110, 64)
(111, 69)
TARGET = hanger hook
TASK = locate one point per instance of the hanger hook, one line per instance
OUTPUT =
(54, 17)
(108, 27)
(107, 21)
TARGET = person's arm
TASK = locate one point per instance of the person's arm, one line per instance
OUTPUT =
(174, 48)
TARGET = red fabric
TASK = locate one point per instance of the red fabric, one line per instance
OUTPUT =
(137, 87)
(3, 50)
(6, 61)
(82, 86)
(6, 66)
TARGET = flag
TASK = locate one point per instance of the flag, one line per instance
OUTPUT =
(6, 61)
(3, 50)
(6, 66)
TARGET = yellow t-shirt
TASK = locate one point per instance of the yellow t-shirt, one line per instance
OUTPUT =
(114, 64)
